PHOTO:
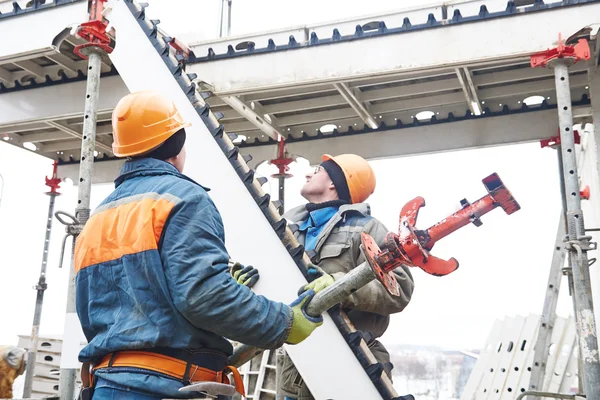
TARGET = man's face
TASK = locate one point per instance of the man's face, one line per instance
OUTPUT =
(317, 185)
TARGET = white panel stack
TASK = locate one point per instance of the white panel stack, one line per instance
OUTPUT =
(504, 366)
(47, 365)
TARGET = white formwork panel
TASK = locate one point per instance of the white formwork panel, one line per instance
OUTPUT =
(503, 374)
(482, 373)
(47, 345)
(522, 357)
(504, 355)
(44, 385)
(570, 382)
(554, 377)
(51, 359)
(142, 68)
(556, 343)
(478, 371)
(46, 371)
(507, 353)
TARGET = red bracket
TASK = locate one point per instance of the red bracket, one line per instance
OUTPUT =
(54, 182)
(94, 31)
(555, 140)
(579, 52)
(585, 193)
(282, 162)
(411, 247)
(182, 51)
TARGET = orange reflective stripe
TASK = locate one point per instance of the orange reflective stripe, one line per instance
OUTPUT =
(170, 366)
(126, 226)
(159, 363)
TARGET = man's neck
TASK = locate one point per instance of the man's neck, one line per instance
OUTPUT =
(331, 203)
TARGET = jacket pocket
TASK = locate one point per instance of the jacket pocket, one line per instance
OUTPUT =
(332, 250)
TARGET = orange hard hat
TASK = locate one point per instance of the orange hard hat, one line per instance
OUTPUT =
(359, 175)
(143, 120)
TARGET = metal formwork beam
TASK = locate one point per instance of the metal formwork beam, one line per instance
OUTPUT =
(469, 134)
(338, 62)
(356, 104)
(36, 105)
(47, 25)
(255, 114)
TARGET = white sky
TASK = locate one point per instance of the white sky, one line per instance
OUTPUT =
(504, 263)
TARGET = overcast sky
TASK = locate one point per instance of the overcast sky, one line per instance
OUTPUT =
(504, 263)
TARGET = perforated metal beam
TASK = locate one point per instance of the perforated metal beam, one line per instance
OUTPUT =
(433, 138)
(35, 36)
(255, 114)
(522, 35)
(41, 104)
(356, 104)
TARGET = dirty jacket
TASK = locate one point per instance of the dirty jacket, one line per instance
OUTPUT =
(337, 251)
(152, 271)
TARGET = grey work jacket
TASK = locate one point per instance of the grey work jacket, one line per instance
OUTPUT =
(338, 251)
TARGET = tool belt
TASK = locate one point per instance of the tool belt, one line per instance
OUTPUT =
(176, 368)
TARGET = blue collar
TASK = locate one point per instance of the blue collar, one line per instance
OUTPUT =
(319, 218)
(149, 167)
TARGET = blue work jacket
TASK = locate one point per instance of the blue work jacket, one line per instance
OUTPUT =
(152, 271)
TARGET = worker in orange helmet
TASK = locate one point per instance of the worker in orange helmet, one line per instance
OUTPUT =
(329, 227)
(155, 294)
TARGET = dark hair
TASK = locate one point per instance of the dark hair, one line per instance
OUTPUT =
(170, 147)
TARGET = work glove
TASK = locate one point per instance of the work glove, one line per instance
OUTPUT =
(247, 276)
(303, 324)
(319, 279)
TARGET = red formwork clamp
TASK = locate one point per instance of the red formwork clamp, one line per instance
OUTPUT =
(182, 51)
(555, 140)
(578, 52)
(94, 31)
(585, 193)
(282, 162)
(54, 182)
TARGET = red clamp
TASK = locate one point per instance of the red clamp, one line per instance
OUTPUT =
(411, 247)
(54, 182)
(585, 193)
(182, 52)
(579, 52)
(555, 140)
(282, 162)
(94, 31)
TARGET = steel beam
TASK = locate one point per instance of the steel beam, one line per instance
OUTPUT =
(31, 67)
(475, 104)
(6, 76)
(468, 134)
(338, 62)
(79, 135)
(41, 104)
(356, 104)
(255, 114)
(46, 26)
(66, 62)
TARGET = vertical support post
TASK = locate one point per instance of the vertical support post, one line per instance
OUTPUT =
(578, 244)
(82, 212)
(41, 287)
(282, 162)
(281, 194)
